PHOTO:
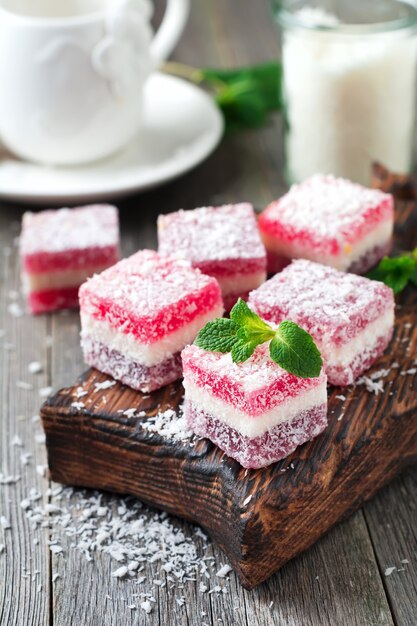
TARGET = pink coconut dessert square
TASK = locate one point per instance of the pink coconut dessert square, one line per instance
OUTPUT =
(331, 221)
(61, 248)
(138, 315)
(256, 412)
(223, 242)
(351, 318)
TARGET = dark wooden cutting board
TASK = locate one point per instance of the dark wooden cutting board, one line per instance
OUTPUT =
(260, 518)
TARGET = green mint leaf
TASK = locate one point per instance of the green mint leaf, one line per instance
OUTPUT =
(219, 335)
(242, 350)
(253, 326)
(395, 272)
(294, 350)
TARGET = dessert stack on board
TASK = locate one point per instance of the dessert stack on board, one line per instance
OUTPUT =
(138, 315)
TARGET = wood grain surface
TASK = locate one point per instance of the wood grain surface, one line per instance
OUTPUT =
(340, 580)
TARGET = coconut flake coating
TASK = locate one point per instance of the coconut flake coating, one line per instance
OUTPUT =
(261, 451)
(214, 238)
(149, 296)
(327, 303)
(136, 375)
(350, 317)
(70, 238)
(326, 214)
(254, 387)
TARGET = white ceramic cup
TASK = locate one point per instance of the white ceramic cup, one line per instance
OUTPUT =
(72, 74)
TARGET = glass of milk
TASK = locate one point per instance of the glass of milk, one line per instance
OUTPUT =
(349, 86)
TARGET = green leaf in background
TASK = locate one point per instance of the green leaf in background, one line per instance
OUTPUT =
(246, 95)
(396, 272)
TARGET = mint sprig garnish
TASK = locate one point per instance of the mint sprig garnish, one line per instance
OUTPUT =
(397, 272)
(291, 347)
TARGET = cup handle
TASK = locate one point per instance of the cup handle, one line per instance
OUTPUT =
(171, 29)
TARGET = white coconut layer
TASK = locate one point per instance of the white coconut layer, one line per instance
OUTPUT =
(58, 280)
(146, 354)
(344, 355)
(249, 425)
(352, 252)
(240, 283)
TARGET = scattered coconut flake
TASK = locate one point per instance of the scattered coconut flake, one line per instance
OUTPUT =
(40, 438)
(106, 384)
(223, 571)
(55, 549)
(120, 572)
(372, 386)
(15, 309)
(41, 470)
(45, 392)
(411, 372)
(271, 604)
(36, 418)
(4, 523)
(339, 419)
(80, 392)
(129, 413)
(55, 577)
(21, 384)
(8, 480)
(168, 424)
(247, 500)
(25, 458)
(389, 571)
(78, 405)
(146, 606)
(35, 367)
(341, 397)
(405, 561)
(16, 442)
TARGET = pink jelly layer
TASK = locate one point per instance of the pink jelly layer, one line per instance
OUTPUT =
(324, 214)
(333, 306)
(221, 241)
(135, 375)
(277, 262)
(150, 296)
(342, 376)
(53, 300)
(261, 451)
(254, 387)
(74, 259)
(231, 267)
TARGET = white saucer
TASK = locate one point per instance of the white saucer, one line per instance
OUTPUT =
(182, 127)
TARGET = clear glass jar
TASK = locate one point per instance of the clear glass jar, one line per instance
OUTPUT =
(349, 86)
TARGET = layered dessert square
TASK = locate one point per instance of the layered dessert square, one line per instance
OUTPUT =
(138, 315)
(331, 221)
(351, 318)
(222, 242)
(60, 249)
(256, 412)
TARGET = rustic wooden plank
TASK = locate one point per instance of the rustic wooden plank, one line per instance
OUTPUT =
(254, 516)
(391, 515)
(24, 565)
(391, 518)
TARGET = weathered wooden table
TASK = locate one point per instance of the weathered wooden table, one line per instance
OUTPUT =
(342, 580)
